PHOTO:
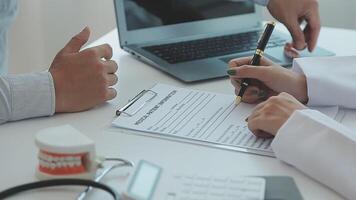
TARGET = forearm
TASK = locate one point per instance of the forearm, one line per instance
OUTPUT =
(321, 148)
(26, 96)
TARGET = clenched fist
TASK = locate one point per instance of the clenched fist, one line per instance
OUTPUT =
(83, 79)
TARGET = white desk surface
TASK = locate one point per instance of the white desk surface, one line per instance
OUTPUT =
(18, 151)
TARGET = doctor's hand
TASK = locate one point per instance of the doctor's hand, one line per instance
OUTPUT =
(269, 80)
(269, 116)
(83, 79)
(292, 13)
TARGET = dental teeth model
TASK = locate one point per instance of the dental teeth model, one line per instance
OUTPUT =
(64, 152)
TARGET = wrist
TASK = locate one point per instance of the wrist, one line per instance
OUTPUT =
(302, 89)
(57, 88)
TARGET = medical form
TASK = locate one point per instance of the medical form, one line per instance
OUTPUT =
(196, 116)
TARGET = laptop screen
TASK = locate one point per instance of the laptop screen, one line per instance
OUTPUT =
(153, 13)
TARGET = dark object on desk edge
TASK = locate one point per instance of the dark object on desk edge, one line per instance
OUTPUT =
(57, 182)
(281, 188)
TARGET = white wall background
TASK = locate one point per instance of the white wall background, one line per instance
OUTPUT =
(338, 13)
(44, 26)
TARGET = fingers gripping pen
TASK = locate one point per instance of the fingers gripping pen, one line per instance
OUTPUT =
(262, 43)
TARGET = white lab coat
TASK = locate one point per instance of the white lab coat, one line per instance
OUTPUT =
(311, 141)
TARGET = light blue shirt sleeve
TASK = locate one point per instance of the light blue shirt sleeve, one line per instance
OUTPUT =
(26, 96)
(8, 11)
(21, 96)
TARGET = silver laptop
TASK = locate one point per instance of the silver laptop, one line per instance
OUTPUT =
(193, 40)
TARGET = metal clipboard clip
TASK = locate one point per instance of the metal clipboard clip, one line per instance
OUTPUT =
(131, 102)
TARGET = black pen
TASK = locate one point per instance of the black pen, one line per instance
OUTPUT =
(262, 43)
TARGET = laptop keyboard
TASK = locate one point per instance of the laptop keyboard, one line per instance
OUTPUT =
(210, 47)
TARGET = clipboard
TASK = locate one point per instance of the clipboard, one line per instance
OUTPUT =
(143, 98)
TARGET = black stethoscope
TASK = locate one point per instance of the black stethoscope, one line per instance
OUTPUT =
(58, 182)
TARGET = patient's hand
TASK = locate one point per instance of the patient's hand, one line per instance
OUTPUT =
(82, 79)
(269, 80)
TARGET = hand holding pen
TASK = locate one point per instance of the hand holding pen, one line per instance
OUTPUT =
(262, 43)
(266, 80)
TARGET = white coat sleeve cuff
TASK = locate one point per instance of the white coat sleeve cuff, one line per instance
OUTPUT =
(32, 95)
(329, 80)
(320, 147)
